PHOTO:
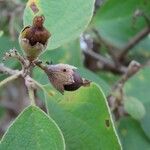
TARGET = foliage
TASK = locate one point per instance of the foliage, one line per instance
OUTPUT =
(36, 128)
(113, 111)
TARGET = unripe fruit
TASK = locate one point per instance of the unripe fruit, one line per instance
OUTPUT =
(65, 77)
(33, 39)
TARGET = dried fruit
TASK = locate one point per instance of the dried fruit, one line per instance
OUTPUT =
(65, 77)
(33, 39)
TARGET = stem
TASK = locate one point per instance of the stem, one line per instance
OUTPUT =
(135, 40)
(30, 86)
(31, 95)
(13, 77)
(40, 65)
(44, 91)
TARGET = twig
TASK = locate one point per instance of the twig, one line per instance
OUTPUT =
(40, 64)
(106, 63)
(42, 88)
(109, 46)
(13, 77)
(13, 53)
(123, 51)
(7, 71)
(116, 97)
(102, 62)
(31, 87)
(135, 40)
(31, 95)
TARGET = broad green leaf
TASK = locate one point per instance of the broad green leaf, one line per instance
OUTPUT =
(84, 118)
(132, 136)
(114, 20)
(145, 121)
(33, 130)
(69, 53)
(138, 87)
(65, 19)
(134, 107)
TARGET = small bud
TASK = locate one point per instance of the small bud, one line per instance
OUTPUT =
(65, 77)
(133, 68)
(33, 39)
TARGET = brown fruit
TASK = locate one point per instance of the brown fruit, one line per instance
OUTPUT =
(64, 77)
(33, 39)
(78, 82)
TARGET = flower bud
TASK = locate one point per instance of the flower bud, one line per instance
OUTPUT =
(33, 39)
(65, 77)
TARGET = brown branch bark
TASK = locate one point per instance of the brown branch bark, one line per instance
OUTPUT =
(116, 97)
(123, 51)
(106, 64)
(135, 40)
(109, 46)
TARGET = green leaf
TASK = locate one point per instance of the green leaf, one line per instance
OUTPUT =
(40, 76)
(84, 119)
(87, 74)
(6, 45)
(69, 53)
(132, 136)
(134, 107)
(138, 87)
(145, 121)
(33, 130)
(65, 19)
(1, 33)
(114, 20)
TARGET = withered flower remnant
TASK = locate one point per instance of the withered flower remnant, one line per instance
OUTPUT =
(33, 39)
